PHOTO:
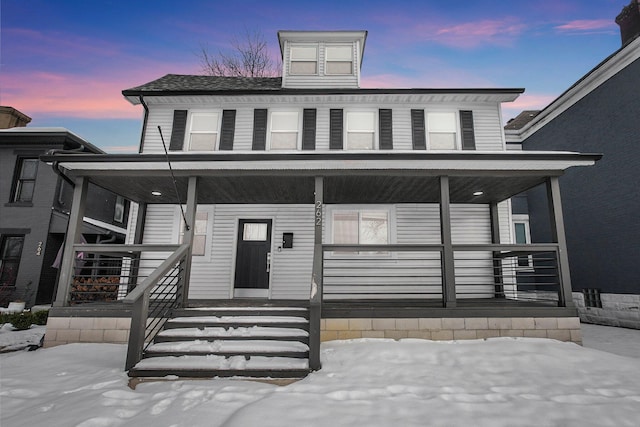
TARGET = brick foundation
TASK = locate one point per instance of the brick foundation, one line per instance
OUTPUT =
(66, 330)
(558, 328)
(617, 310)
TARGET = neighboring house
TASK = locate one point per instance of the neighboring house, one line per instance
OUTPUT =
(34, 211)
(310, 208)
(599, 113)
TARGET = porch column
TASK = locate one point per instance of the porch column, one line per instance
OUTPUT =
(190, 218)
(495, 239)
(315, 299)
(448, 268)
(138, 236)
(558, 236)
(74, 232)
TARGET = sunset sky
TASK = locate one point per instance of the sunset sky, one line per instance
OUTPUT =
(65, 63)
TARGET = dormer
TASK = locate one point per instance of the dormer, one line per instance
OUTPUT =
(321, 59)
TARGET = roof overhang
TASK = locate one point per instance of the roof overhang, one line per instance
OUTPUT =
(399, 177)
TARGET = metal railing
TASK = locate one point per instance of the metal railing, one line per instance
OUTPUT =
(152, 302)
(525, 273)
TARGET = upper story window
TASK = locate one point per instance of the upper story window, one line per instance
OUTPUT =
(202, 131)
(10, 254)
(304, 60)
(339, 60)
(284, 130)
(361, 130)
(25, 180)
(442, 131)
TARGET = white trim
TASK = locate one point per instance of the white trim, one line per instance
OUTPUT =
(104, 225)
(592, 80)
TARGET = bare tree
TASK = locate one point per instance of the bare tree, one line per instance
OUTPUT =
(249, 57)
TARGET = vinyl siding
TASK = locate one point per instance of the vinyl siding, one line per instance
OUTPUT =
(388, 275)
(487, 127)
(320, 80)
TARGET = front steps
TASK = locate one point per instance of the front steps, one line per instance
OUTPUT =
(232, 341)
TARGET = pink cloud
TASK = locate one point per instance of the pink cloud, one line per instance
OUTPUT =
(526, 102)
(473, 34)
(587, 25)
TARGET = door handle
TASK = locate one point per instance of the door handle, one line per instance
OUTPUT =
(268, 262)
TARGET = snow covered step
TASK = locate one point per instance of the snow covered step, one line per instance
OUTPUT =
(236, 321)
(250, 348)
(239, 333)
(243, 311)
(220, 366)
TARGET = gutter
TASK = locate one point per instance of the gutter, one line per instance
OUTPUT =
(144, 122)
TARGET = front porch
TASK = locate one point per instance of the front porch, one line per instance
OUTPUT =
(443, 290)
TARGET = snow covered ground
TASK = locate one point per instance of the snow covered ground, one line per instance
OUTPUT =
(495, 382)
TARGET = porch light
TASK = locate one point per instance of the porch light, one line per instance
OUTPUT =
(478, 193)
(156, 193)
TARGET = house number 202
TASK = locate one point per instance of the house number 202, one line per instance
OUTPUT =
(318, 213)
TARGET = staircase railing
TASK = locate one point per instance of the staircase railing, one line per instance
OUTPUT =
(152, 303)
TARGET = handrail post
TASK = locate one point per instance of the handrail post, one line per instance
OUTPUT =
(315, 300)
(137, 331)
(498, 278)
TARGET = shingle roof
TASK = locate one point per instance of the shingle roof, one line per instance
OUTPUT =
(179, 82)
(521, 119)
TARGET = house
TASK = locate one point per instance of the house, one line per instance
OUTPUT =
(273, 213)
(599, 113)
(35, 210)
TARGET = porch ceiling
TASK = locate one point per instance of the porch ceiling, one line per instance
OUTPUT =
(337, 189)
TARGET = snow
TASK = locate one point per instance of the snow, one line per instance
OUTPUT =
(495, 382)
(11, 340)
(234, 332)
(238, 319)
(229, 346)
(222, 363)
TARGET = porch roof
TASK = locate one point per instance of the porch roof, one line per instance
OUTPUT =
(268, 177)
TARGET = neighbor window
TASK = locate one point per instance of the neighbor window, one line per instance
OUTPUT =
(304, 60)
(25, 181)
(203, 131)
(361, 130)
(284, 130)
(199, 246)
(118, 212)
(442, 130)
(10, 254)
(339, 60)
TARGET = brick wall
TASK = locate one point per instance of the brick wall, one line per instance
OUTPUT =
(65, 330)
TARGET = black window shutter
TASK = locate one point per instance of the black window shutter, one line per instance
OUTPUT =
(309, 129)
(385, 123)
(466, 127)
(417, 130)
(259, 129)
(228, 129)
(178, 130)
(335, 129)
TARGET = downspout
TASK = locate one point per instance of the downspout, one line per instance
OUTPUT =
(144, 122)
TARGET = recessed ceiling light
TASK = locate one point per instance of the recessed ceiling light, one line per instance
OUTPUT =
(478, 193)
(156, 193)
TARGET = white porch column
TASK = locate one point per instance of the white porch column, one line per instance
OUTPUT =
(74, 231)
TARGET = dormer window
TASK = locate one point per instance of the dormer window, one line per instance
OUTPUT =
(339, 60)
(304, 60)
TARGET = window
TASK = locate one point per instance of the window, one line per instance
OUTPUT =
(118, 212)
(592, 298)
(10, 254)
(200, 232)
(284, 130)
(361, 130)
(203, 131)
(304, 60)
(522, 236)
(25, 181)
(339, 60)
(361, 226)
(442, 131)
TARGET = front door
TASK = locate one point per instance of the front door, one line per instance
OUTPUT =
(253, 258)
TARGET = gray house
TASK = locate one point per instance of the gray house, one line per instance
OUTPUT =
(34, 212)
(273, 213)
(599, 113)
